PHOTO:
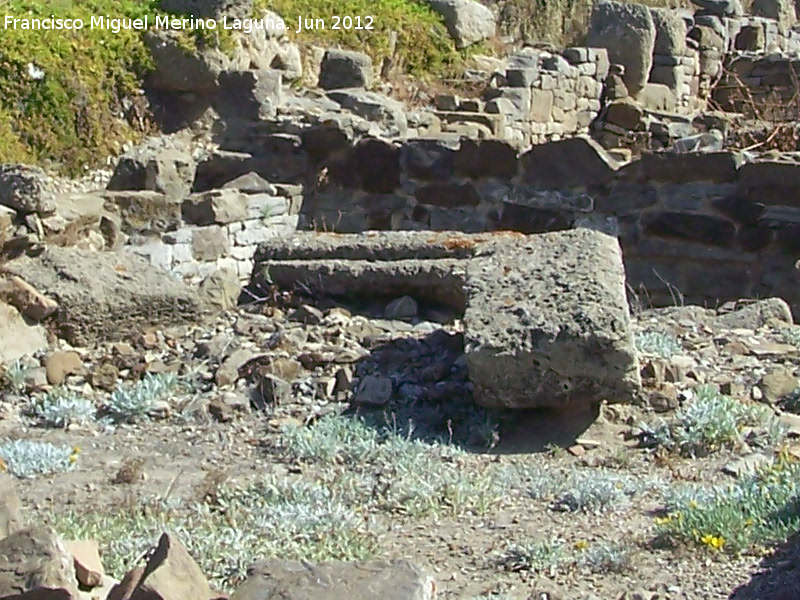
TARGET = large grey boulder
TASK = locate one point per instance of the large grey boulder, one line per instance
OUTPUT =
(628, 33)
(671, 32)
(546, 316)
(467, 21)
(345, 69)
(387, 113)
(105, 296)
(397, 580)
(178, 69)
(547, 323)
(26, 189)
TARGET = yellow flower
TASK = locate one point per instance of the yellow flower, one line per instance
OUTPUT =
(713, 541)
(693, 504)
(581, 545)
(76, 449)
(663, 520)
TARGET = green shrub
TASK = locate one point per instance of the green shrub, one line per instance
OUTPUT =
(60, 408)
(26, 458)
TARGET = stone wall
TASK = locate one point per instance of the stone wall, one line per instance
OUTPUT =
(766, 85)
(703, 227)
(542, 96)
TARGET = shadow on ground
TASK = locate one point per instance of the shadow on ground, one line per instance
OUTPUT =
(778, 576)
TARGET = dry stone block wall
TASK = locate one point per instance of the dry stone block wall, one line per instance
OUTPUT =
(699, 228)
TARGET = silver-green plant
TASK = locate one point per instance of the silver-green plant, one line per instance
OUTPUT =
(133, 402)
(658, 343)
(26, 458)
(543, 558)
(61, 408)
(710, 422)
(14, 377)
(606, 557)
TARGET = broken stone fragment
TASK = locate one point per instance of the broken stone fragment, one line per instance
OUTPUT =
(27, 299)
(88, 566)
(397, 580)
(35, 560)
(170, 574)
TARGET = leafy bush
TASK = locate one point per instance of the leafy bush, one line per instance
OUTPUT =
(707, 424)
(606, 558)
(60, 408)
(26, 459)
(540, 557)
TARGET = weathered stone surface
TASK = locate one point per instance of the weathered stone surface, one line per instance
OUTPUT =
(345, 69)
(86, 558)
(701, 228)
(11, 519)
(34, 560)
(221, 289)
(547, 323)
(486, 158)
(144, 212)
(168, 171)
(177, 69)
(170, 574)
(670, 32)
(378, 165)
(209, 243)
(782, 11)
(527, 219)
(628, 33)
(377, 108)
(717, 167)
(397, 580)
(448, 195)
(222, 166)
(60, 364)
(106, 296)
(770, 311)
(467, 21)
(29, 301)
(429, 160)
(24, 189)
(575, 162)
(19, 338)
(216, 206)
(525, 348)
(721, 8)
(248, 94)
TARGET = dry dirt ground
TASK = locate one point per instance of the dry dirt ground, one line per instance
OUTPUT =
(565, 505)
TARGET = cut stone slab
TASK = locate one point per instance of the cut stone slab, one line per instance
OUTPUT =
(35, 560)
(546, 316)
(277, 579)
(18, 337)
(547, 323)
(105, 296)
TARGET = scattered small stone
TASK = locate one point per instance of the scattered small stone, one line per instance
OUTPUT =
(86, 557)
(746, 465)
(61, 364)
(403, 308)
(374, 391)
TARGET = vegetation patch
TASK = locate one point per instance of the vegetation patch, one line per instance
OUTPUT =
(746, 516)
(26, 458)
(709, 423)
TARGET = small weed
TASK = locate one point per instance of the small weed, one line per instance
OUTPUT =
(606, 558)
(130, 403)
(26, 459)
(709, 423)
(543, 558)
(61, 408)
(14, 377)
(792, 336)
(748, 515)
(594, 492)
(658, 343)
